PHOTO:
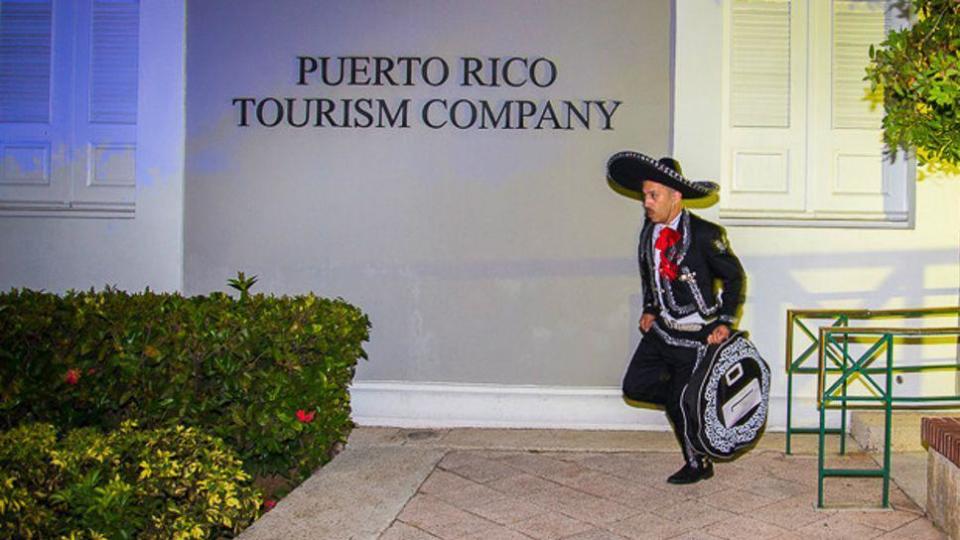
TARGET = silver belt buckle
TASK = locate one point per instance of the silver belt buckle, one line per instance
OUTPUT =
(687, 327)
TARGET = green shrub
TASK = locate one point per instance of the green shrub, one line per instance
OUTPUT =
(269, 375)
(25, 474)
(171, 482)
(916, 71)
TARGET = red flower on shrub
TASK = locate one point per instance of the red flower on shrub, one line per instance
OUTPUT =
(72, 377)
(304, 416)
(269, 504)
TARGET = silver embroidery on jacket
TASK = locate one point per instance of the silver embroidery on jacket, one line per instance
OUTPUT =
(699, 303)
(675, 309)
(646, 249)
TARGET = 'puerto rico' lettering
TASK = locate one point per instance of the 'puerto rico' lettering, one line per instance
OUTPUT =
(481, 111)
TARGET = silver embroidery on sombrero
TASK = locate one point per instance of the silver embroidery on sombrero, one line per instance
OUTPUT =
(703, 187)
(722, 438)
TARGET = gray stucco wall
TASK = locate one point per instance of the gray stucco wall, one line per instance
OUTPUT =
(497, 256)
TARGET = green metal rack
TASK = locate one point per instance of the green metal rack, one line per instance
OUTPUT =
(799, 323)
(833, 343)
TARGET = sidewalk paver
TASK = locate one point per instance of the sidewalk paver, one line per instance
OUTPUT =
(354, 496)
(463, 484)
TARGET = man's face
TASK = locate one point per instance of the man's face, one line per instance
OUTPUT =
(660, 202)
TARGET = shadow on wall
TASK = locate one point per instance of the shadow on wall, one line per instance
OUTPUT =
(873, 280)
(909, 276)
(775, 283)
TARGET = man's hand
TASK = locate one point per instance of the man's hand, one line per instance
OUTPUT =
(719, 334)
(646, 322)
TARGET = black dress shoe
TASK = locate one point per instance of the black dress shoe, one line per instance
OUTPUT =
(690, 474)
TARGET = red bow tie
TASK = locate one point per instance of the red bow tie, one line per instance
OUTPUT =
(668, 237)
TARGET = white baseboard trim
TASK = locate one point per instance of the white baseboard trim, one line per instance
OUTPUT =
(446, 405)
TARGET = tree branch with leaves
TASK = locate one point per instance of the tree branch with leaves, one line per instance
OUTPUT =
(916, 70)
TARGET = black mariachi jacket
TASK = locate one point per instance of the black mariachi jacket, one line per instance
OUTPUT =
(703, 256)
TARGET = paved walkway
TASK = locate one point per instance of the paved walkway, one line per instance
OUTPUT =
(491, 484)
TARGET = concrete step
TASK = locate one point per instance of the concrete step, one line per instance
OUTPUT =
(908, 460)
(866, 427)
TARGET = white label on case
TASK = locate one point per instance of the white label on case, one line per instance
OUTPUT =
(739, 405)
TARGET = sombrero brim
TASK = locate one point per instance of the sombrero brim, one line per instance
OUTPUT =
(629, 170)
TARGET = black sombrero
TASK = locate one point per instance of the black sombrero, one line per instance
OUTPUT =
(629, 169)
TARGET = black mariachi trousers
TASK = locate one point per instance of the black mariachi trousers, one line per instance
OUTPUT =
(659, 371)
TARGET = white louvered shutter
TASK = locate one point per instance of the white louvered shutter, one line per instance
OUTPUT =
(763, 151)
(847, 167)
(34, 118)
(68, 106)
(801, 141)
(105, 130)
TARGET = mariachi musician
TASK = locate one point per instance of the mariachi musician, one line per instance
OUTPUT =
(692, 290)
